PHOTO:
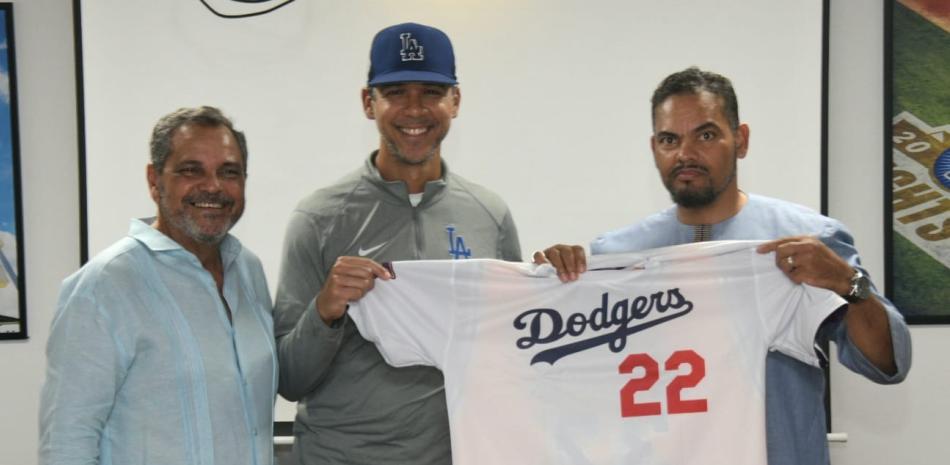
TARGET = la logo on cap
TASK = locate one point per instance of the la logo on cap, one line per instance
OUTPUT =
(411, 50)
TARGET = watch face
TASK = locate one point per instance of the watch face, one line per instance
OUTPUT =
(864, 287)
(860, 287)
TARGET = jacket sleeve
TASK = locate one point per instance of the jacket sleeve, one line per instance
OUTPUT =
(85, 368)
(305, 345)
(841, 242)
(509, 247)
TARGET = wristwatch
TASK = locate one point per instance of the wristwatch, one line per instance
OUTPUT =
(860, 287)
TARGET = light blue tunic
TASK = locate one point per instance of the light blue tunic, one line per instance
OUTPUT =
(145, 368)
(795, 410)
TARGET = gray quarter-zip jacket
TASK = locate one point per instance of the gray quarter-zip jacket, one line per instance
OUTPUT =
(353, 407)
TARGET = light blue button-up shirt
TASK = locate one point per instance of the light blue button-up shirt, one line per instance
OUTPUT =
(144, 366)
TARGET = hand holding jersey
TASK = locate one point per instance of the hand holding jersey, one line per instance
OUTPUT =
(348, 281)
(805, 259)
(568, 260)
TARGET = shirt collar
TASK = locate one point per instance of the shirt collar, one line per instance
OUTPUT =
(141, 230)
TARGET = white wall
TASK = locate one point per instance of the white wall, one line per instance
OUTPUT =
(574, 88)
(886, 425)
(46, 90)
(903, 424)
(573, 83)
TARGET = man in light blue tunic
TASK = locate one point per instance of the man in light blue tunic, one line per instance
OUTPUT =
(697, 141)
(161, 350)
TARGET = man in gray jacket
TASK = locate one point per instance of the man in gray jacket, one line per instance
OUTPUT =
(403, 204)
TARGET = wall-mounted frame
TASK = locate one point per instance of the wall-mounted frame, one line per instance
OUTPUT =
(917, 158)
(12, 285)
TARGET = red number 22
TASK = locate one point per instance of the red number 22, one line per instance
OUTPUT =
(675, 403)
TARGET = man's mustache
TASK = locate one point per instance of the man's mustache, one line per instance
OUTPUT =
(678, 168)
(224, 200)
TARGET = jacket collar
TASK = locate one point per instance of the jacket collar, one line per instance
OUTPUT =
(396, 190)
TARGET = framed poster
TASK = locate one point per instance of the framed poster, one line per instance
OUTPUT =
(12, 286)
(917, 157)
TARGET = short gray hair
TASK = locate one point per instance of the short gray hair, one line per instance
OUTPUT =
(161, 143)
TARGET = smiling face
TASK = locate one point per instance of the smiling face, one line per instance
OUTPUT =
(413, 118)
(695, 148)
(200, 190)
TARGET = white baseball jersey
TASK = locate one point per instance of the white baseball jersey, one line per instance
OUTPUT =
(649, 358)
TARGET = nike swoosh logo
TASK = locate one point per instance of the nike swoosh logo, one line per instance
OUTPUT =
(364, 252)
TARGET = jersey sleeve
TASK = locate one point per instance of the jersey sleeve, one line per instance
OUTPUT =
(791, 313)
(410, 318)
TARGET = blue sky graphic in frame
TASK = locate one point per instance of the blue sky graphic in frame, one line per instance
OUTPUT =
(12, 304)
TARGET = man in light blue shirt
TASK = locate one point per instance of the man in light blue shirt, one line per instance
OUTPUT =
(161, 350)
(697, 141)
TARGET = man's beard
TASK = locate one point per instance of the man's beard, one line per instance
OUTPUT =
(188, 225)
(403, 159)
(698, 197)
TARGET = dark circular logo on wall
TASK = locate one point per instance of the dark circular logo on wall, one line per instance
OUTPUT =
(942, 169)
(243, 8)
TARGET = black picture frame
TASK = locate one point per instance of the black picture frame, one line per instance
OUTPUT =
(12, 282)
(917, 159)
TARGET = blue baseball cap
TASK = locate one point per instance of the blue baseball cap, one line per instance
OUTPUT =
(411, 52)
